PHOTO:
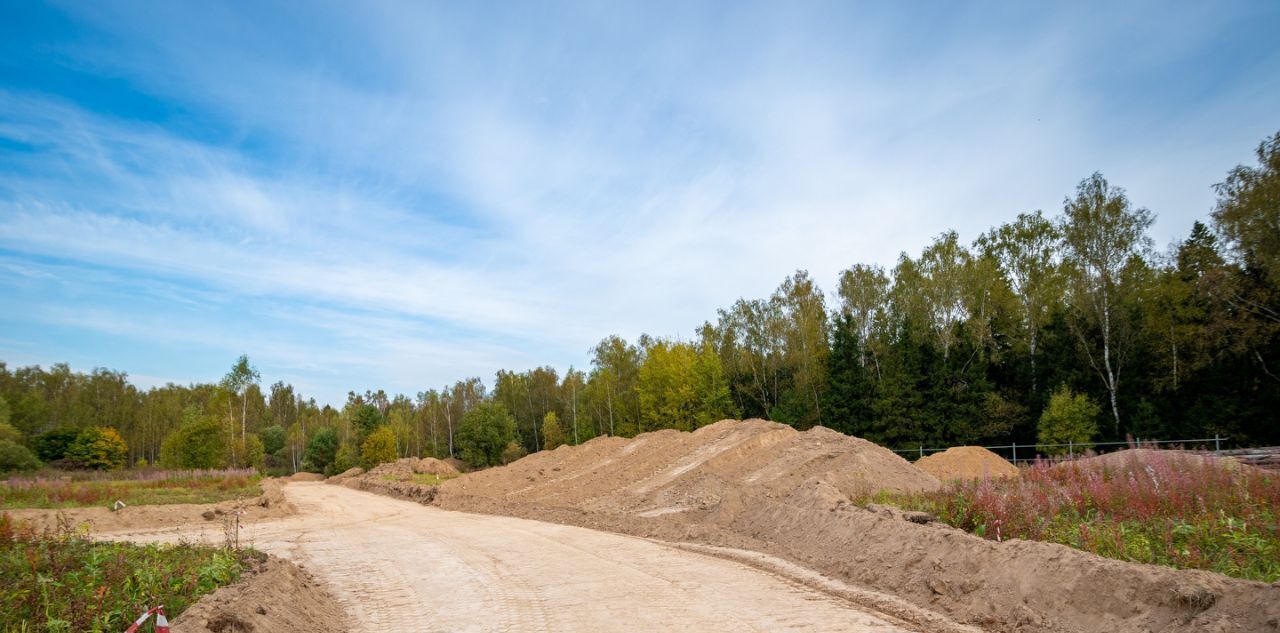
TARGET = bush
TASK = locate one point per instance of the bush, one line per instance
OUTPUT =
(1069, 418)
(14, 456)
(346, 458)
(485, 433)
(53, 445)
(99, 448)
(512, 452)
(379, 447)
(322, 448)
(552, 434)
(7, 432)
(200, 443)
(248, 452)
(272, 439)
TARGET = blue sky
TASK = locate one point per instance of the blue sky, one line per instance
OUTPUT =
(397, 195)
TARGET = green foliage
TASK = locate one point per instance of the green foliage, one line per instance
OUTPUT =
(248, 452)
(53, 445)
(379, 447)
(16, 457)
(346, 458)
(63, 581)
(681, 387)
(366, 419)
(99, 448)
(273, 438)
(10, 434)
(513, 452)
(321, 450)
(552, 434)
(485, 433)
(1248, 211)
(199, 443)
(1069, 418)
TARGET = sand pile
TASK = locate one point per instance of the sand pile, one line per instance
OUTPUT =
(669, 472)
(278, 597)
(768, 488)
(1150, 456)
(966, 462)
(433, 466)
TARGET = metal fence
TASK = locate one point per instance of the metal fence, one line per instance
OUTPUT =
(1030, 452)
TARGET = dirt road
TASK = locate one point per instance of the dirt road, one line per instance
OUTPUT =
(400, 566)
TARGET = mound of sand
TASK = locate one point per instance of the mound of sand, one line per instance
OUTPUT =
(768, 488)
(966, 462)
(433, 466)
(305, 477)
(725, 464)
(278, 597)
(1147, 456)
(354, 471)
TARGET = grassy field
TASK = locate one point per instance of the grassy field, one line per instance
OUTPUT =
(60, 581)
(1163, 510)
(143, 487)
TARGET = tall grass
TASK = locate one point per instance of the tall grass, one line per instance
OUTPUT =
(142, 487)
(1162, 507)
(60, 581)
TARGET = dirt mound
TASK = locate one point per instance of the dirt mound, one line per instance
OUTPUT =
(305, 477)
(966, 462)
(457, 464)
(399, 469)
(1152, 457)
(433, 466)
(766, 487)
(354, 471)
(279, 597)
(668, 472)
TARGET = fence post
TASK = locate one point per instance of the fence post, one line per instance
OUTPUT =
(1217, 444)
(1015, 453)
(922, 450)
(1071, 448)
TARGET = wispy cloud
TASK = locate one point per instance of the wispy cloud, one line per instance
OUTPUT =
(411, 193)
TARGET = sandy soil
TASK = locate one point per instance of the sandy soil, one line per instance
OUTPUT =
(767, 488)
(966, 462)
(279, 596)
(397, 565)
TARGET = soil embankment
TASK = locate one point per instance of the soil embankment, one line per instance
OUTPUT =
(966, 462)
(765, 487)
(279, 596)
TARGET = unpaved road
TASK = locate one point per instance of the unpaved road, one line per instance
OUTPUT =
(400, 566)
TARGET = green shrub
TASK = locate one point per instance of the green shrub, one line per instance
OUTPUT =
(379, 447)
(485, 433)
(200, 443)
(273, 438)
(14, 456)
(322, 449)
(1069, 418)
(552, 434)
(99, 448)
(53, 445)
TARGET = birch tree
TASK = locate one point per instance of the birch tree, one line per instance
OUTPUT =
(1104, 236)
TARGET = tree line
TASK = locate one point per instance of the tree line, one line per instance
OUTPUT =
(1070, 325)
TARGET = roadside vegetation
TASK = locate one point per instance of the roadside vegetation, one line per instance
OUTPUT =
(1163, 509)
(136, 487)
(60, 581)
